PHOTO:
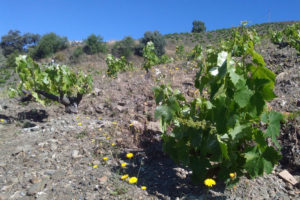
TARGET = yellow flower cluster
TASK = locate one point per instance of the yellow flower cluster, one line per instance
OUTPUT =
(129, 155)
(105, 158)
(209, 182)
(123, 165)
(232, 175)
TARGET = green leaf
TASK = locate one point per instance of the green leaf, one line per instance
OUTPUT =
(257, 163)
(238, 129)
(254, 163)
(273, 120)
(164, 112)
(224, 148)
(264, 74)
(242, 95)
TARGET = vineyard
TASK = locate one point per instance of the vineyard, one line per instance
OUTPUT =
(216, 115)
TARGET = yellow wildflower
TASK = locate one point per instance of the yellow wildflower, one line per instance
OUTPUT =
(209, 182)
(77, 117)
(131, 124)
(87, 117)
(79, 123)
(143, 187)
(2, 120)
(124, 176)
(133, 180)
(95, 166)
(107, 137)
(129, 155)
(232, 175)
(115, 123)
(176, 68)
(99, 117)
(113, 144)
(105, 158)
(93, 140)
(123, 165)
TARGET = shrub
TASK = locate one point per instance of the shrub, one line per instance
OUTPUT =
(150, 58)
(164, 59)
(124, 48)
(218, 133)
(14, 41)
(116, 65)
(156, 38)
(94, 44)
(51, 83)
(180, 53)
(2, 59)
(49, 44)
(76, 53)
(59, 57)
(198, 26)
(11, 59)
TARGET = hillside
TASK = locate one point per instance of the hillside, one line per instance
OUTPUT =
(46, 153)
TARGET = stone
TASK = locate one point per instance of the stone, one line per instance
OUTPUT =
(288, 177)
(37, 187)
(96, 162)
(75, 154)
(154, 127)
(103, 180)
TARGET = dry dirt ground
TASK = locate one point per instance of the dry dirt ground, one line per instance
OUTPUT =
(48, 154)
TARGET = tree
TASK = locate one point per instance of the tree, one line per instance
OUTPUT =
(198, 26)
(14, 41)
(49, 44)
(94, 44)
(124, 47)
(158, 40)
(51, 83)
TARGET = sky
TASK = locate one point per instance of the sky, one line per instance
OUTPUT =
(115, 19)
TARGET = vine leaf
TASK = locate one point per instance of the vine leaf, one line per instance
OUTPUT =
(273, 120)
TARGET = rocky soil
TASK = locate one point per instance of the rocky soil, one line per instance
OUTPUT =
(48, 154)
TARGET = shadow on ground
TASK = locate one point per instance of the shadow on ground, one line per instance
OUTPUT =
(162, 177)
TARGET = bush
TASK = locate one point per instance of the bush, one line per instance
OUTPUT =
(157, 39)
(2, 59)
(94, 44)
(49, 44)
(198, 26)
(59, 57)
(124, 48)
(76, 53)
(56, 83)
(228, 129)
(150, 58)
(14, 41)
(116, 65)
(11, 59)
(180, 53)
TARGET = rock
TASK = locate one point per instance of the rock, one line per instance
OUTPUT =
(154, 127)
(121, 109)
(75, 154)
(288, 177)
(58, 174)
(37, 187)
(96, 162)
(103, 180)
(20, 149)
(3, 197)
(96, 92)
